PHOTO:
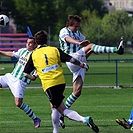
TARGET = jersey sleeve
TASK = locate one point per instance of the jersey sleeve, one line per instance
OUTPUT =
(17, 53)
(29, 65)
(64, 57)
(63, 34)
(82, 37)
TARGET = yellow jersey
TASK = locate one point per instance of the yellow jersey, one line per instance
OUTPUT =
(47, 62)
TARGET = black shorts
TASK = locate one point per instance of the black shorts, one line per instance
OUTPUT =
(55, 95)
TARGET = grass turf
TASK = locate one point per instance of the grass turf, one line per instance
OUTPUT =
(125, 73)
(104, 105)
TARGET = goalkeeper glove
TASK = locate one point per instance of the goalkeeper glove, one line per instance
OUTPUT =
(34, 75)
(84, 65)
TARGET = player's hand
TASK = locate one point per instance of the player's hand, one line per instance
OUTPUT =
(35, 75)
(85, 43)
(29, 76)
(84, 65)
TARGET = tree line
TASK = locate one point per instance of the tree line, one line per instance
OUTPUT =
(98, 24)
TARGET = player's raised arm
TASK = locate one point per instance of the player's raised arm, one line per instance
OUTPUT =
(67, 58)
(29, 76)
(7, 53)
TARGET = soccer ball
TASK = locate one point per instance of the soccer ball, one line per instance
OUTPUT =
(4, 20)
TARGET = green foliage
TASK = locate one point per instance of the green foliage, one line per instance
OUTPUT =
(114, 25)
(76, 7)
(42, 14)
(98, 25)
(90, 25)
(109, 29)
(35, 14)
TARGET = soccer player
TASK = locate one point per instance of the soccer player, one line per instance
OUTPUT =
(46, 60)
(73, 43)
(16, 80)
(127, 124)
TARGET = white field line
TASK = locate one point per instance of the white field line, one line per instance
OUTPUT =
(43, 107)
(39, 87)
(48, 121)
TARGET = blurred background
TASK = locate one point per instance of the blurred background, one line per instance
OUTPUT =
(103, 23)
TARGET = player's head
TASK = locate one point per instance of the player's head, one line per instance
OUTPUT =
(31, 45)
(73, 22)
(41, 37)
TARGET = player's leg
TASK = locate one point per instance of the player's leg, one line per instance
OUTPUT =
(55, 120)
(77, 88)
(17, 88)
(23, 106)
(73, 115)
(55, 95)
(3, 81)
(104, 49)
(78, 77)
(130, 120)
(18, 92)
(123, 123)
(127, 124)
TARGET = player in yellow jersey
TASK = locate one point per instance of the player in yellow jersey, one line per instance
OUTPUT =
(46, 61)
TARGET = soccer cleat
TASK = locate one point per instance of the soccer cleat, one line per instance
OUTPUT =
(61, 122)
(37, 122)
(123, 123)
(90, 123)
(121, 47)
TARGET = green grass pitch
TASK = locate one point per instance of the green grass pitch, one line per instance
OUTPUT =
(103, 104)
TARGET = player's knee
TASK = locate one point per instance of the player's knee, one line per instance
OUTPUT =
(77, 93)
(91, 45)
(18, 104)
(88, 48)
(18, 101)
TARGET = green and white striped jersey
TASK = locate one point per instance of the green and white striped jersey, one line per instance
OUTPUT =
(69, 47)
(22, 55)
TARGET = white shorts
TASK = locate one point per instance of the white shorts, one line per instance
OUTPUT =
(16, 86)
(77, 70)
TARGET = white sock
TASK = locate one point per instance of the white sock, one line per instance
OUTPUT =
(55, 120)
(73, 115)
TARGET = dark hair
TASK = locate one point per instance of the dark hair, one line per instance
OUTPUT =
(31, 37)
(72, 19)
(41, 37)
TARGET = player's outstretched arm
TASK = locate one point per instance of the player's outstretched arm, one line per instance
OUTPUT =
(79, 63)
(7, 53)
(84, 43)
(29, 76)
(67, 58)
